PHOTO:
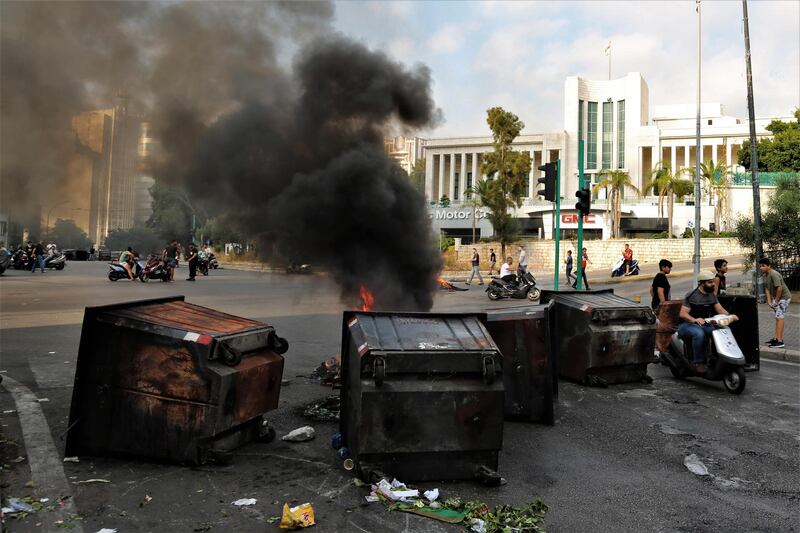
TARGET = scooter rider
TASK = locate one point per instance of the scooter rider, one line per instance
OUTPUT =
(699, 305)
(505, 272)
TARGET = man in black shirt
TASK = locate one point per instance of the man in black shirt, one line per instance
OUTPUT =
(660, 288)
(492, 260)
(699, 305)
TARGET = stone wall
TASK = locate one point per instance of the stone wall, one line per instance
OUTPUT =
(602, 253)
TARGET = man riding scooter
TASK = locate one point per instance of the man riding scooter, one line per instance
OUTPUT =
(699, 305)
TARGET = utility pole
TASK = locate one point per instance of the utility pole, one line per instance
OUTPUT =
(697, 159)
(557, 221)
(758, 284)
(579, 259)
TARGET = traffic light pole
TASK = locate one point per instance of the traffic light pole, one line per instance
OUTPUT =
(579, 258)
(558, 222)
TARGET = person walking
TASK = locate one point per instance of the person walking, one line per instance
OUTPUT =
(584, 261)
(778, 298)
(522, 264)
(659, 290)
(191, 258)
(492, 261)
(38, 257)
(720, 280)
(476, 268)
(568, 262)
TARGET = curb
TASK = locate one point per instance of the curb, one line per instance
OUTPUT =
(780, 354)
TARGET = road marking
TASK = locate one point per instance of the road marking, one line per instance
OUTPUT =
(47, 471)
(777, 362)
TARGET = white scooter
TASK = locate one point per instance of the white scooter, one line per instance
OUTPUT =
(619, 268)
(724, 359)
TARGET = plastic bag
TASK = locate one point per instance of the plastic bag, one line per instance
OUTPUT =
(297, 517)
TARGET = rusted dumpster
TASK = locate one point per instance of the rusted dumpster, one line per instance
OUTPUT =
(172, 381)
(601, 338)
(523, 335)
(422, 396)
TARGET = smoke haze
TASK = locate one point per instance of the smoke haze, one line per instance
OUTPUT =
(292, 150)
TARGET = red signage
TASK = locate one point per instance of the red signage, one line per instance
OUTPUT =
(573, 219)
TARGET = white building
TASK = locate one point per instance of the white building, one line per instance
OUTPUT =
(613, 119)
(404, 150)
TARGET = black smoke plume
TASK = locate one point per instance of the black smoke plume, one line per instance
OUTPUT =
(294, 153)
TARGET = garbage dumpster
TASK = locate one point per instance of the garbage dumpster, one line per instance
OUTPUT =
(523, 336)
(173, 381)
(601, 338)
(668, 322)
(422, 396)
(745, 330)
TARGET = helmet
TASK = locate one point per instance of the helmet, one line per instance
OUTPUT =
(705, 275)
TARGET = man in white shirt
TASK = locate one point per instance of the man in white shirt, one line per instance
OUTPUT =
(523, 261)
(505, 271)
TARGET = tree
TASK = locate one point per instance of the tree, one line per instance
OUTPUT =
(780, 227)
(507, 171)
(475, 198)
(615, 182)
(67, 234)
(667, 184)
(781, 153)
(171, 218)
(417, 175)
(716, 178)
(222, 229)
(143, 240)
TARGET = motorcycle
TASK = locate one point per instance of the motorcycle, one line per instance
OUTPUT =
(524, 287)
(57, 261)
(202, 266)
(154, 269)
(117, 271)
(20, 260)
(295, 268)
(212, 261)
(619, 268)
(724, 359)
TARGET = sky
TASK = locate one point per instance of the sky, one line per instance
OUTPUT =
(517, 54)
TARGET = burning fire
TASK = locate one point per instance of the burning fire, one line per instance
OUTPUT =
(367, 299)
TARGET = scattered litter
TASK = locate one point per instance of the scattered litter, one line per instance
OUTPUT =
(478, 525)
(285, 382)
(51, 353)
(336, 441)
(17, 505)
(9, 411)
(19, 459)
(302, 434)
(297, 517)
(325, 410)
(3, 371)
(357, 482)
(396, 491)
(40, 400)
(7, 510)
(73, 459)
(44, 500)
(695, 465)
(245, 501)
(93, 480)
(372, 499)
(106, 530)
(329, 372)
(432, 495)
(147, 499)
(344, 452)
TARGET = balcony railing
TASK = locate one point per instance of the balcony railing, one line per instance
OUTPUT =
(764, 178)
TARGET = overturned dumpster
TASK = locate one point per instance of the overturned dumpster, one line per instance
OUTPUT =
(422, 396)
(172, 381)
(523, 335)
(600, 338)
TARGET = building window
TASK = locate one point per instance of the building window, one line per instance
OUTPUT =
(621, 134)
(469, 180)
(710, 122)
(455, 189)
(608, 131)
(591, 137)
(580, 122)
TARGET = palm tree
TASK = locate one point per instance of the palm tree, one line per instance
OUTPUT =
(616, 181)
(475, 197)
(668, 184)
(716, 180)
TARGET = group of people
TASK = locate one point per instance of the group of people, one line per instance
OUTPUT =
(702, 302)
(169, 256)
(37, 252)
(504, 272)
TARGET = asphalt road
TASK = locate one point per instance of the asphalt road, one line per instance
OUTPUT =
(614, 460)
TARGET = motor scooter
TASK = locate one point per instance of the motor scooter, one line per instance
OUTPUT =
(619, 268)
(57, 261)
(154, 269)
(117, 271)
(5, 259)
(297, 268)
(525, 287)
(724, 359)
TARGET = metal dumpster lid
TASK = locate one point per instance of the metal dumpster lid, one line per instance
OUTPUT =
(420, 331)
(518, 312)
(175, 313)
(597, 301)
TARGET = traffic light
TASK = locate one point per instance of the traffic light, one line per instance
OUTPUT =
(584, 204)
(549, 191)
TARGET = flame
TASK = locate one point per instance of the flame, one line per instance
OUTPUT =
(367, 299)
